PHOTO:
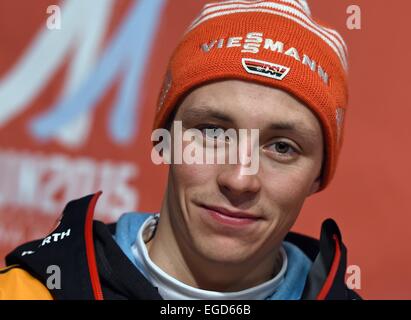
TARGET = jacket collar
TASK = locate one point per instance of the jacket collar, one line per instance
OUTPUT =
(71, 247)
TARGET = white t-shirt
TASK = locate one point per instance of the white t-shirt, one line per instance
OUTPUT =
(172, 289)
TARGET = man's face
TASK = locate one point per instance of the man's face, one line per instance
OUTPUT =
(215, 209)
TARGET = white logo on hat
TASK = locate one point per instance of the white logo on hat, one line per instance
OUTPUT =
(265, 69)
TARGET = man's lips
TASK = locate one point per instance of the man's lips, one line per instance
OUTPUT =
(233, 214)
(230, 217)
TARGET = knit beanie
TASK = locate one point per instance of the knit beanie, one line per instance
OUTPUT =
(275, 43)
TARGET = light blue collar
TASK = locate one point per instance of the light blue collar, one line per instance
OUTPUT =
(291, 287)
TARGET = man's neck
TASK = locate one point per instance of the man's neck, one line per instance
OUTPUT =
(179, 260)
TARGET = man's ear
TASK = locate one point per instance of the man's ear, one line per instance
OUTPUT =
(317, 182)
(315, 186)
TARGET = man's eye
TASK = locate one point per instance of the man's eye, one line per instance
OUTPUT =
(283, 149)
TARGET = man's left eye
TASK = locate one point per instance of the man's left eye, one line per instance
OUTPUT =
(282, 147)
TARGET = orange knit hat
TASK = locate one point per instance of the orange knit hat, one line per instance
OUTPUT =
(275, 43)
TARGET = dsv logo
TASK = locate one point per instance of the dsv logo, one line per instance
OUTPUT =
(264, 68)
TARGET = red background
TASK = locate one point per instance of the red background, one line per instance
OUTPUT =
(369, 196)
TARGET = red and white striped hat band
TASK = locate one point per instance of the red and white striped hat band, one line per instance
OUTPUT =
(295, 10)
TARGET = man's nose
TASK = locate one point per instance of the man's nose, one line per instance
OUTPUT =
(234, 183)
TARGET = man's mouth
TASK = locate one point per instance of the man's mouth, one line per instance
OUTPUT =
(231, 217)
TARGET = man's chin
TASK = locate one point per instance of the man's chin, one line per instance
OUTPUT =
(223, 250)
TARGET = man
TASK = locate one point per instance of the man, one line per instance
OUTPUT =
(223, 231)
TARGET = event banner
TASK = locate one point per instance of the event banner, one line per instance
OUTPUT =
(79, 82)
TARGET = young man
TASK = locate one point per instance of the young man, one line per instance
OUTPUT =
(223, 231)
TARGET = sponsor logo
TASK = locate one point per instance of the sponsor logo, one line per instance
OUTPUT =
(265, 69)
(255, 42)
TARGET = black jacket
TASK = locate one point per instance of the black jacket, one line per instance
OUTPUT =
(94, 267)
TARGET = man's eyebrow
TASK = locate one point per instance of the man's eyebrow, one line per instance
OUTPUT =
(294, 128)
(205, 112)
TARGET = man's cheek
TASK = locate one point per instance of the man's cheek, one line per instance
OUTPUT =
(298, 180)
(193, 174)
(288, 191)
